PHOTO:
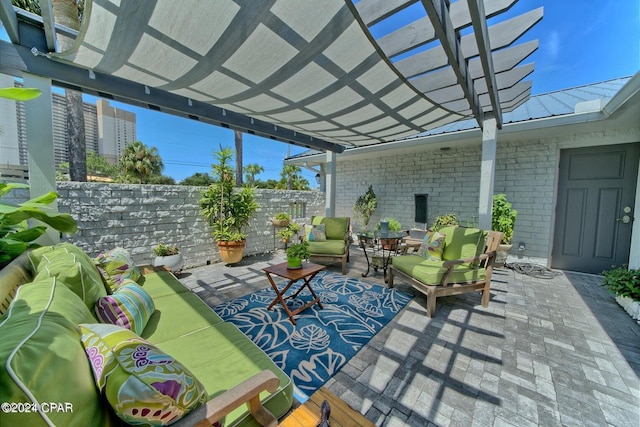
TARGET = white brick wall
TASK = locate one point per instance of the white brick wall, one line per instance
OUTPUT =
(137, 217)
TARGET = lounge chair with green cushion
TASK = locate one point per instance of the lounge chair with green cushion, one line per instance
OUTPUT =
(336, 245)
(467, 256)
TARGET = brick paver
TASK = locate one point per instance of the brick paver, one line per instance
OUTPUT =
(546, 352)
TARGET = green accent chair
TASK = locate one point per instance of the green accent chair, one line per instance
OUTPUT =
(466, 266)
(336, 247)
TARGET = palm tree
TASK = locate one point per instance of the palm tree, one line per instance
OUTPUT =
(250, 172)
(67, 13)
(140, 162)
(238, 139)
(290, 174)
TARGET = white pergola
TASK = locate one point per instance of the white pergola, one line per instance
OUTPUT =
(323, 74)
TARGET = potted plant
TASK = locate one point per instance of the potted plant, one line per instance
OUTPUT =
(503, 219)
(228, 209)
(296, 253)
(286, 233)
(365, 206)
(385, 225)
(624, 283)
(445, 220)
(168, 256)
(281, 219)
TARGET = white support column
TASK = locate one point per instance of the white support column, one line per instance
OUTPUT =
(487, 172)
(42, 171)
(330, 184)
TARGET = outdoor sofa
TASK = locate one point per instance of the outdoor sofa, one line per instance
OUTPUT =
(194, 359)
(453, 261)
(335, 242)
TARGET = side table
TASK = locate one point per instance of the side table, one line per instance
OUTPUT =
(306, 273)
(383, 244)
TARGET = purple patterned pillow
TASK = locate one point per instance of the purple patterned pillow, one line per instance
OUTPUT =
(130, 307)
(115, 266)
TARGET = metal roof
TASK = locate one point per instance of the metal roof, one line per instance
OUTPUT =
(546, 105)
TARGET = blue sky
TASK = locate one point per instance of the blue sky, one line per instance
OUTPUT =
(580, 42)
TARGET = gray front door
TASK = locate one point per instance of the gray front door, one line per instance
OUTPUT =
(594, 213)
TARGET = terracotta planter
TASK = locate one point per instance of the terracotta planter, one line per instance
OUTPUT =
(174, 262)
(231, 252)
(280, 222)
(501, 255)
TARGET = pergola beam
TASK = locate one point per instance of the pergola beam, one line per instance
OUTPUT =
(478, 18)
(374, 11)
(438, 12)
(9, 20)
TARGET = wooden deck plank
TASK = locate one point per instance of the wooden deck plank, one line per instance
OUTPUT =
(342, 415)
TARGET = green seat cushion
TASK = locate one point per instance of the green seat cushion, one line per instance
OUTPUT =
(177, 315)
(43, 359)
(431, 272)
(161, 283)
(75, 270)
(335, 228)
(462, 242)
(328, 247)
(221, 357)
(35, 255)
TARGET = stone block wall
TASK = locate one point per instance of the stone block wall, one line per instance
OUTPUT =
(137, 217)
(525, 172)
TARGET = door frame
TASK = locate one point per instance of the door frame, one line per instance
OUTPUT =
(634, 251)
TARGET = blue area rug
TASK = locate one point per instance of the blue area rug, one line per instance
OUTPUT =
(322, 340)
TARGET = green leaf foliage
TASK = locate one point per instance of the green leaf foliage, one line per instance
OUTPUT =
(445, 220)
(365, 206)
(19, 93)
(15, 234)
(623, 281)
(503, 217)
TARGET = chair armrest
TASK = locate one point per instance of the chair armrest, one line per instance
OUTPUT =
(477, 259)
(247, 392)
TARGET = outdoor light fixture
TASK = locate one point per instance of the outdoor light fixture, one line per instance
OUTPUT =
(318, 178)
(522, 246)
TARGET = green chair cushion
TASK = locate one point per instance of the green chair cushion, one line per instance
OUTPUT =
(336, 228)
(177, 315)
(160, 284)
(431, 272)
(43, 359)
(221, 357)
(462, 242)
(328, 247)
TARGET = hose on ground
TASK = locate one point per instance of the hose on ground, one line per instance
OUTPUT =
(533, 270)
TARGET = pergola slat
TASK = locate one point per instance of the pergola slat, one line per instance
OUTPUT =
(374, 11)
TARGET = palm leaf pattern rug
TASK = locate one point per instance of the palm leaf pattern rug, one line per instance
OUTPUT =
(322, 340)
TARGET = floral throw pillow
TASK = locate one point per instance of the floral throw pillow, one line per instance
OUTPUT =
(130, 307)
(115, 266)
(317, 233)
(432, 246)
(142, 384)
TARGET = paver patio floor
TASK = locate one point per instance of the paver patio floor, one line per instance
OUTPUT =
(546, 352)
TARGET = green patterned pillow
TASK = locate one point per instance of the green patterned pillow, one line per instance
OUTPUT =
(115, 266)
(432, 246)
(130, 307)
(142, 384)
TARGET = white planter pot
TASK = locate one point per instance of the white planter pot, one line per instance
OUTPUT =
(501, 255)
(630, 306)
(173, 262)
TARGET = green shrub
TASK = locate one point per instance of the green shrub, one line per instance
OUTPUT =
(394, 224)
(446, 220)
(623, 281)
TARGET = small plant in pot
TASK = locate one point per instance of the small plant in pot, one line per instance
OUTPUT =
(624, 283)
(385, 225)
(503, 219)
(296, 253)
(168, 256)
(281, 219)
(286, 233)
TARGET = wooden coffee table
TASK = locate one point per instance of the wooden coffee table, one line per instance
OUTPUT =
(306, 273)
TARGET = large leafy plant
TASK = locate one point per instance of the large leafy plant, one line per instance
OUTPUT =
(365, 206)
(503, 217)
(15, 234)
(623, 281)
(227, 209)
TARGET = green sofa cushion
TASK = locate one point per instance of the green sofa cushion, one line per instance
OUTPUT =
(35, 255)
(76, 270)
(462, 242)
(328, 247)
(161, 283)
(177, 315)
(221, 357)
(336, 228)
(43, 359)
(432, 272)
